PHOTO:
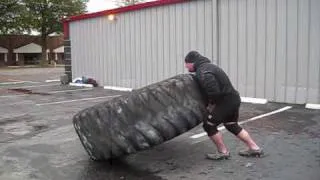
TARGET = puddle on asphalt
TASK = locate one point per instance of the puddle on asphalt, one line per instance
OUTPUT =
(19, 127)
(27, 91)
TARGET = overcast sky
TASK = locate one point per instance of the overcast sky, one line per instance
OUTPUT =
(96, 5)
(100, 5)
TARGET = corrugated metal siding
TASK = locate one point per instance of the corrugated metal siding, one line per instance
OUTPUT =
(314, 59)
(270, 48)
(142, 47)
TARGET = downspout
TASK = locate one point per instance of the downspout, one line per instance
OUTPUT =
(218, 31)
(67, 54)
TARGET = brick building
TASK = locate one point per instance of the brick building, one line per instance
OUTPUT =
(26, 49)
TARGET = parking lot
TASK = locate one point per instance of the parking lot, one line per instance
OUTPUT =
(38, 141)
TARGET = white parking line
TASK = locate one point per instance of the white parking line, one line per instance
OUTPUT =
(16, 82)
(248, 120)
(19, 95)
(22, 81)
(50, 92)
(75, 100)
(52, 80)
(70, 90)
(8, 83)
(31, 86)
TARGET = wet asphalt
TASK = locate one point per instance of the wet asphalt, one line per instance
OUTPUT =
(38, 141)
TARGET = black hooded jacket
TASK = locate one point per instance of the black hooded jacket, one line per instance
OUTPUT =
(212, 80)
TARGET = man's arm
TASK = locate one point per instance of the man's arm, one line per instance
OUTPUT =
(211, 86)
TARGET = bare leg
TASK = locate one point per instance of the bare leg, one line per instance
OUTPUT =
(246, 138)
(218, 141)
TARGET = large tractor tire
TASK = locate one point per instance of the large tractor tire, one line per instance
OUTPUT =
(142, 119)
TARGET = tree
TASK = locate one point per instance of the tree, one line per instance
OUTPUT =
(12, 17)
(122, 3)
(45, 16)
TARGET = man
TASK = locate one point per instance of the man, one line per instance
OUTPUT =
(223, 103)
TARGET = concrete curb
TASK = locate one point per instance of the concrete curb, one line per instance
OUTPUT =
(80, 85)
(117, 88)
(254, 100)
(312, 106)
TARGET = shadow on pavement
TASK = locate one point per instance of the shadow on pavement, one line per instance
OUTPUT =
(114, 169)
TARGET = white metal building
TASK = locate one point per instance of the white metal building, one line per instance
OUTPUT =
(270, 48)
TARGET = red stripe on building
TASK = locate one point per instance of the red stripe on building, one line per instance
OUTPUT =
(66, 29)
(135, 7)
(123, 9)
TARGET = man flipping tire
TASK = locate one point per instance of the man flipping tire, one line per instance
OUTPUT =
(223, 103)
